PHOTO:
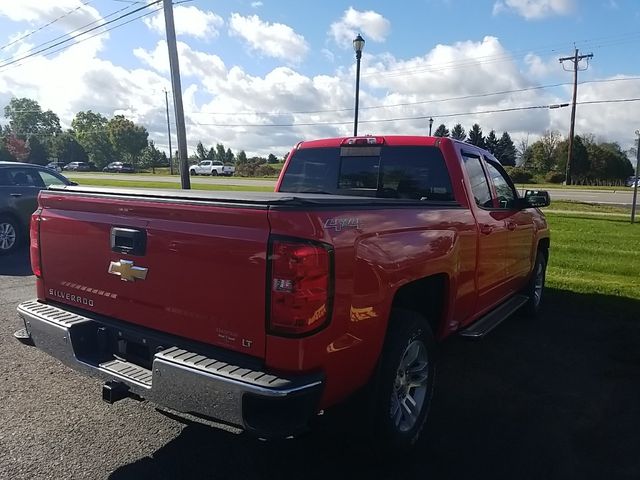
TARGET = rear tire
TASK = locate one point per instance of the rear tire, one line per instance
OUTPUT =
(535, 287)
(10, 234)
(214, 173)
(404, 383)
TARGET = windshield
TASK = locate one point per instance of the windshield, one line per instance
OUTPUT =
(409, 172)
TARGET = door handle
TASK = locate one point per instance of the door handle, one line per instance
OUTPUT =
(511, 226)
(15, 194)
(486, 228)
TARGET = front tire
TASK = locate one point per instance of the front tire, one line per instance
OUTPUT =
(193, 173)
(535, 287)
(404, 383)
(10, 234)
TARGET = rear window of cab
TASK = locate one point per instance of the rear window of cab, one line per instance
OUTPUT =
(407, 172)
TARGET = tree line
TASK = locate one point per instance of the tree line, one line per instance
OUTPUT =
(245, 167)
(593, 162)
(35, 136)
(502, 148)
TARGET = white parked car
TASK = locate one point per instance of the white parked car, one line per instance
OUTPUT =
(209, 167)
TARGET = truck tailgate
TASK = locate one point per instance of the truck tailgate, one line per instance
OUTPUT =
(202, 264)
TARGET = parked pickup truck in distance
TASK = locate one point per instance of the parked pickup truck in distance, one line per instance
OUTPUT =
(263, 309)
(208, 167)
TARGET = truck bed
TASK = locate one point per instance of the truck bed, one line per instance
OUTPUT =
(245, 199)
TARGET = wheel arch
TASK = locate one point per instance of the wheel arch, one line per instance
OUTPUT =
(426, 296)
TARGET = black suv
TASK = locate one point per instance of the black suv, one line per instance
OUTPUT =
(19, 187)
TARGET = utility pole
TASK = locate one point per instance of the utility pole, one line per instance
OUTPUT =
(635, 183)
(576, 60)
(166, 101)
(174, 66)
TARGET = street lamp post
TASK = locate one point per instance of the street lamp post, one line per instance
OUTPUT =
(430, 125)
(358, 45)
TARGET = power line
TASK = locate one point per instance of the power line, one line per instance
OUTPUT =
(385, 120)
(420, 102)
(70, 33)
(439, 100)
(42, 27)
(80, 34)
(419, 117)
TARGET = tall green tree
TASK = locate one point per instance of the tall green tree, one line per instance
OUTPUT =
(37, 151)
(26, 118)
(229, 157)
(151, 157)
(201, 152)
(506, 150)
(66, 148)
(211, 154)
(491, 143)
(272, 158)
(90, 129)
(475, 136)
(220, 152)
(241, 158)
(441, 131)
(458, 133)
(580, 165)
(127, 138)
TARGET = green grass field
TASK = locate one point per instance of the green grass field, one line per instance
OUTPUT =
(594, 255)
(572, 206)
(551, 186)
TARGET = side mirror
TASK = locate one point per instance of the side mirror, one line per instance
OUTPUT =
(536, 199)
(73, 184)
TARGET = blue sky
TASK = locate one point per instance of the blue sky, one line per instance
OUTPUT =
(249, 66)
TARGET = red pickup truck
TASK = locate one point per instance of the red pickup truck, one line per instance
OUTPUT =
(262, 309)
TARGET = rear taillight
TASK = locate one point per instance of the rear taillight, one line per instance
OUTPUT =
(34, 247)
(300, 287)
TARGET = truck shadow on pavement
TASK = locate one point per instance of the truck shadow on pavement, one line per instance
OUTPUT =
(557, 397)
(16, 264)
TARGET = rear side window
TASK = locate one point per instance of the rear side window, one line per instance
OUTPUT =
(479, 185)
(408, 172)
(22, 177)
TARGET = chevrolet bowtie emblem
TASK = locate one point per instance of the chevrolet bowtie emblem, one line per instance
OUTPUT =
(127, 271)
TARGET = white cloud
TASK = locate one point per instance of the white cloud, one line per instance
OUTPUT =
(370, 24)
(538, 68)
(192, 63)
(256, 4)
(189, 20)
(227, 104)
(74, 14)
(272, 39)
(535, 9)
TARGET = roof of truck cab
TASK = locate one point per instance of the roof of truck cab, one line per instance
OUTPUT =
(411, 140)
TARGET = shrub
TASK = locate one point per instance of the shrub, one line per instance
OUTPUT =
(264, 171)
(519, 174)
(554, 177)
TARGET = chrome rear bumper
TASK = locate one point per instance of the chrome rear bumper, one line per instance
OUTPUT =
(179, 379)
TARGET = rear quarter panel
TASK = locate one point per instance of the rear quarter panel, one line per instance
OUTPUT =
(376, 252)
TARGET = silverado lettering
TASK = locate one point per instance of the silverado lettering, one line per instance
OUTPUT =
(70, 297)
(265, 309)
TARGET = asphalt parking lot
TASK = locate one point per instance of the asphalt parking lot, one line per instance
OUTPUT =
(555, 398)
